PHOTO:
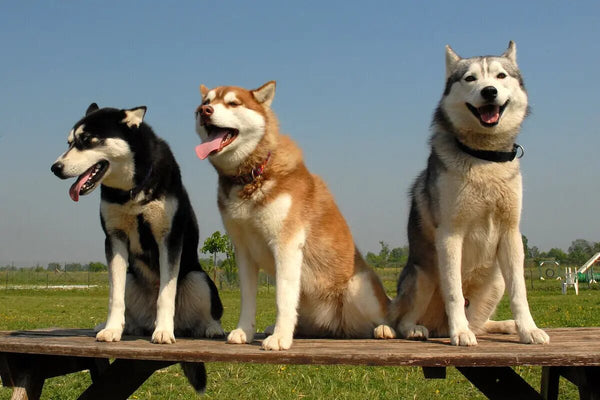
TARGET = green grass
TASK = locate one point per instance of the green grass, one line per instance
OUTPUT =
(84, 308)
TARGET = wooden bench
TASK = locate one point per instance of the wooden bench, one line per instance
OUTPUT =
(27, 358)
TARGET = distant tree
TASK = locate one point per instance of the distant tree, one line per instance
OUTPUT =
(97, 267)
(229, 265)
(54, 266)
(557, 254)
(382, 259)
(73, 267)
(214, 244)
(580, 251)
(534, 252)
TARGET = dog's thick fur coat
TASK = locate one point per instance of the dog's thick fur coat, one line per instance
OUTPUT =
(283, 219)
(463, 228)
(156, 282)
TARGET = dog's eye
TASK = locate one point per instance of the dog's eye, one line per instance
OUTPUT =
(470, 78)
(501, 75)
(233, 104)
(205, 102)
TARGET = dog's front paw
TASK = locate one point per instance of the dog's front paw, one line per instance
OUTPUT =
(463, 338)
(277, 342)
(109, 335)
(384, 332)
(163, 337)
(239, 336)
(534, 336)
(414, 332)
(214, 330)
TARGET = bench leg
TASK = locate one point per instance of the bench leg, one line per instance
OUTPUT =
(121, 379)
(550, 378)
(587, 380)
(28, 386)
(434, 372)
(499, 383)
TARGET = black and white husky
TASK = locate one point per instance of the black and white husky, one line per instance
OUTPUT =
(156, 282)
(463, 229)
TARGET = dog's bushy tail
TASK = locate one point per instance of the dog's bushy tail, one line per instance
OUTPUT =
(196, 375)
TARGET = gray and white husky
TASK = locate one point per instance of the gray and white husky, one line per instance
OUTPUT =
(463, 228)
(156, 282)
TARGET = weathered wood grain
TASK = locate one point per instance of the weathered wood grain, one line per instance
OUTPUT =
(568, 347)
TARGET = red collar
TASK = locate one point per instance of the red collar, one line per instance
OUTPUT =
(254, 173)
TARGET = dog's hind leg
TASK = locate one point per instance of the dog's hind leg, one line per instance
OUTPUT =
(416, 298)
(481, 304)
(510, 259)
(194, 306)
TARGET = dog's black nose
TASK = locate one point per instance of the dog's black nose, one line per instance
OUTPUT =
(57, 168)
(489, 92)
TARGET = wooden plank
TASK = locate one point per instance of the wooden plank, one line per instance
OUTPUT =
(500, 383)
(568, 347)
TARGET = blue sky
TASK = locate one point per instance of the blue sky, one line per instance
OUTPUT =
(357, 83)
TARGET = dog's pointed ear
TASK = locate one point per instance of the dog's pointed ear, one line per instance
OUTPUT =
(451, 60)
(511, 52)
(93, 107)
(265, 93)
(134, 116)
(203, 90)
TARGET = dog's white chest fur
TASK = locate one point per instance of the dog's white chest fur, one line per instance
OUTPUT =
(256, 226)
(484, 201)
(158, 214)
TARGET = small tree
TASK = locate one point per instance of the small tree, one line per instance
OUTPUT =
(214, 244)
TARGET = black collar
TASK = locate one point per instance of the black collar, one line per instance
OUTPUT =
(490, 155)
(119, 196)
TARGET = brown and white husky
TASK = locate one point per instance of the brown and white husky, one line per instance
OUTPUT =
(283, 219)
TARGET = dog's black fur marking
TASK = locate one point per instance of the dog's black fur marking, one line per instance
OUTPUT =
(156, 175)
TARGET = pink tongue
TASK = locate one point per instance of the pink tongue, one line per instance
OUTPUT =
(490, 115)
(203, 150)
(74, 190)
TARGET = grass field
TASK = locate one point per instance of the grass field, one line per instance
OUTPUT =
(84, 308)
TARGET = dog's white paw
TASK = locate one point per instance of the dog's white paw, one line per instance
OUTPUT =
(463, 338)
(109, 335)
(239, 336)
(269, 330)
(277, 342)
(414, 332)
(534, 336)
(214, 330)
(163, 337)
(384, 332)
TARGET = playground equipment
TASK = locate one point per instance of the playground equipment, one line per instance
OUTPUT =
(586, 272)
(549, 272)
(570, 280)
